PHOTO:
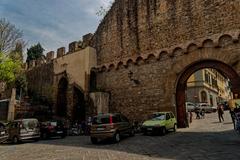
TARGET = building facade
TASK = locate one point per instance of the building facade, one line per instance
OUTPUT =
(147, 50)
(208, 86)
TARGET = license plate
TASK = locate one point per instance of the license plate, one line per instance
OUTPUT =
(149, 129)
(100, 129)
(2, 133)
(59, 132)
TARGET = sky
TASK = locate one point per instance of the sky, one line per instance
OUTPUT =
(53, 23)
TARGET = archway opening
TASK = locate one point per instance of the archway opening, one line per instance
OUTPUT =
(61, 110)
(79, 110)
(203, 66)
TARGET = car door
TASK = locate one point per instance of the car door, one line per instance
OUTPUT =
(168, 121)
(125, 125)
(13, 130)
(173, 120)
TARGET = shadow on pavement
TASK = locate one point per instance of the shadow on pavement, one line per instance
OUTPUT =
(180, 145)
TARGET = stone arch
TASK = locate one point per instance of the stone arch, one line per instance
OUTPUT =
(221, 67)
(203, 96)
(163, 55)
(129, 62)
(111, 67)
(176, 52)
(192, 47)
(79, 109)
(150, 58)
(120, 65)
(61, 108)
(103, 68)
(208, 43)
(225, 40)
(139, 60)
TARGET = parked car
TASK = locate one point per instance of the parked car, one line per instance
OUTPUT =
(190, 106)
(23, 129)
(206, 107)
(3, 133)
(112, 125)
(160, 122)
(53, 128)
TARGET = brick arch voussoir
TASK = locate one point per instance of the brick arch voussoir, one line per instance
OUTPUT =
(225, 40)
(163, 55)
(139, 60)
(111, 67)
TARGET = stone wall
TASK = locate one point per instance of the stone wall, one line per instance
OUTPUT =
(144, 46)
(137, 27)
(40, 81)
(152, 85)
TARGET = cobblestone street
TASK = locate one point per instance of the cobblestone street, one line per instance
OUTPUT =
(205, 139)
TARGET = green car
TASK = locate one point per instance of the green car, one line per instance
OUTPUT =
(160, 122)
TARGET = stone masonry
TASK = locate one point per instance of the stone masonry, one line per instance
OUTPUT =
(155, 41)
(144, 47)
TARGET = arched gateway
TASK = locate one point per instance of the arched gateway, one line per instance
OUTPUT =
(146, 51)
(61, 109)
(221, 67)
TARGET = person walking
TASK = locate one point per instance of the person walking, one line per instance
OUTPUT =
(220, 113)
(233, 116)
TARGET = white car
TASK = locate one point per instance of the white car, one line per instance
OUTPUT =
(190, 106)
(206, 107)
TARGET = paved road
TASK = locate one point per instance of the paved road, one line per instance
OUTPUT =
(205, 139)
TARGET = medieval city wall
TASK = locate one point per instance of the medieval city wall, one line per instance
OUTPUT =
(132, 28)
(144, 46)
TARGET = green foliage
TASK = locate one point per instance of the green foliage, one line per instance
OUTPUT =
(9, 69)
(34, 52)
(17, 53)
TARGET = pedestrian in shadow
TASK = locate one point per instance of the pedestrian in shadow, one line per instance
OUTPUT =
(220, 112)
(197, 112)
(233, 116)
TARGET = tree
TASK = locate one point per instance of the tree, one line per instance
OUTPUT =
(9, 69)
(18, 53)
(34, 52)
(9, 36)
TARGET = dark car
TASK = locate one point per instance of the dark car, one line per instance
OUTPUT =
(53, 128)
(3, 133)
(23, 129)
(111, 125)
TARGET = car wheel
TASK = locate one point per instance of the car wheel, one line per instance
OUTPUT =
(36, 139)
(94, 140)
(116, 137)
(63, 136)
(15, 140)
(44, 136)
(145, 133)
(175, 128)
(163, 131)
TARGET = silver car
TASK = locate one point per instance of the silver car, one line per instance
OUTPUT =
(190, 106)
(206, 107)
(23, 129)
(3, 133)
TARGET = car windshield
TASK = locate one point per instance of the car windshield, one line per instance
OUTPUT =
(53, 123)
(158, 116)
(30, 124)
(101, 120)
(2, 126)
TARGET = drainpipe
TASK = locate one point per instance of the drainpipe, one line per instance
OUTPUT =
(11, 106)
